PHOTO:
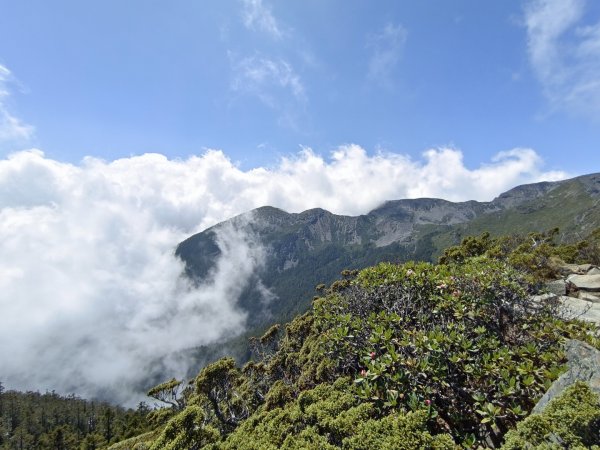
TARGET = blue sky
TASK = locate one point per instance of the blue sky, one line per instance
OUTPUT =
(261, 79)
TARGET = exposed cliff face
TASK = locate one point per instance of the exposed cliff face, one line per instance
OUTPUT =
(524, 193)
(397, 221)
(311, 247)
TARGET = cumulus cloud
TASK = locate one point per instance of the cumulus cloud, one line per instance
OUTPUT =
(386, 49)
(92, 299)
(12, 130)
(258, 16)
(565, 54)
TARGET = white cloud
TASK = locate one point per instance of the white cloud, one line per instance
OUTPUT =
(90, 292)
(258, 16)
(260, 75)
(565, 54)
(12, 130)
(92, 296)
(274, 82)
(386, 51)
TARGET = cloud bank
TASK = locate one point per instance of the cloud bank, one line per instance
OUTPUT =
(92, 298)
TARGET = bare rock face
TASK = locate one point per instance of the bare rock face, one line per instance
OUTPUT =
(589, 297)
(576, 308)
(571, 307)
(582, 282)
(589, 283)
(583, 302)
(584, 365)
(579, 293)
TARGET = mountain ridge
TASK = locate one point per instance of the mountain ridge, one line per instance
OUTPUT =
(313, 246)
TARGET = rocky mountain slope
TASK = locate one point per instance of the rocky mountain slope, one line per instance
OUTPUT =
(313, 247)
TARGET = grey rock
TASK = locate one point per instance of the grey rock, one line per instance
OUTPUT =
(578, 269)
(588, 297)
(544, 297)
(558, 287)
(585, 282)
(577, 350)
(542, 300)
(575, 308)
(583, 365)
(594, 271)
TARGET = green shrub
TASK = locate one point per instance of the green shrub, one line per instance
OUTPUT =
(329, 417)
(569, 421)
(141, 442)
(279, 394)
(536, 254)
(462, 342)
(186, 431)
(398, 432)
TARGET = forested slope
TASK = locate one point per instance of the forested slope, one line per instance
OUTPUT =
(30, 420)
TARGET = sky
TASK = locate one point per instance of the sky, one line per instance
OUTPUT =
(125, 127)
(261, 79)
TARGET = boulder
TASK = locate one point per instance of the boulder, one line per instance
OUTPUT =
(583, 365)
(575, 308)
(579, 269)
(541, 300)
(585, 282)
(594, 271)
(557, 287)
(583, 295)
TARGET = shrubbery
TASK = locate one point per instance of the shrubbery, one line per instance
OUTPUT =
(569, 421)
(396, 356)
(463, 342)
(329, 416)
(537, 254)
(186, 431)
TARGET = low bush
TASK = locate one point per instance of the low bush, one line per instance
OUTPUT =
(329, 416)
(569, 421)
(465, 342)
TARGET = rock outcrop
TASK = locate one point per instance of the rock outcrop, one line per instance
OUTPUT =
(582, 284)
(579, 293)
(584, 365)
(557, 287)
(586, 283)
(576, 308)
